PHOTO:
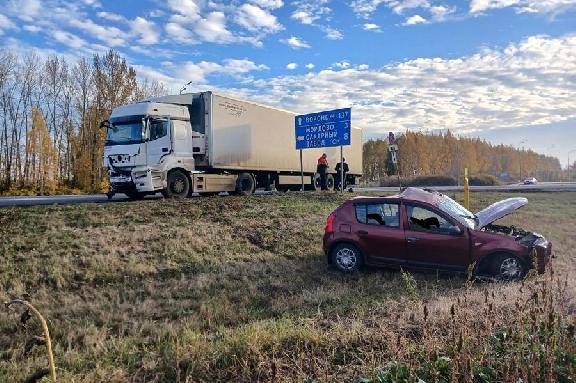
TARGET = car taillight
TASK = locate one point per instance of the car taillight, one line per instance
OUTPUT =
(330, 224)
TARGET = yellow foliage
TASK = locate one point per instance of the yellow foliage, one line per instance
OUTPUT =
(41, 156)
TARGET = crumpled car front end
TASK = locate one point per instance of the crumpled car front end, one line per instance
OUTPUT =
(538, 249)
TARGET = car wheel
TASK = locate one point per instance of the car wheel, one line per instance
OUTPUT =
(506, 267)
(178, 185)
(346, 257)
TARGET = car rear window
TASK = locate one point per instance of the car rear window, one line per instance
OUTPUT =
(380, 214)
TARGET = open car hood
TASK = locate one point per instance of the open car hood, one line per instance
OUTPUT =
(499, 209)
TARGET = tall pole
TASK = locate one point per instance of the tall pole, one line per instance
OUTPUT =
(301, 171)
(341, 168)
(520, 157)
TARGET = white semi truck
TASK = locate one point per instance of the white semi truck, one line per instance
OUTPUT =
(208, 143)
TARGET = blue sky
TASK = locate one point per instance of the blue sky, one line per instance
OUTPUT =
(504, 70)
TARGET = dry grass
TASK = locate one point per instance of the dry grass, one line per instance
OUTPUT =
(237, 289)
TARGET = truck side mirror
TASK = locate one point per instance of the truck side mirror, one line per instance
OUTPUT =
(104, 124)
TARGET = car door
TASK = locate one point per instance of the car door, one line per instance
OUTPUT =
(158, 144)
(379, 232)
(433, 240)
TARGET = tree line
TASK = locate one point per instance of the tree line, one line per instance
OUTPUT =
(50, 111)
(422, 154)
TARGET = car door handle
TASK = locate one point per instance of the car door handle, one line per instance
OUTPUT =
(362, 232)
(412, 239)
(164, 150)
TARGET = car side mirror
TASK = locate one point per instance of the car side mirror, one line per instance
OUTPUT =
(454, 230)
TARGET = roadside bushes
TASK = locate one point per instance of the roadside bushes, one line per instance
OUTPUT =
(484, 180)
(444, 180)
(421, 181)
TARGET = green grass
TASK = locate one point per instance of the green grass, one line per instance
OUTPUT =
(237, 289)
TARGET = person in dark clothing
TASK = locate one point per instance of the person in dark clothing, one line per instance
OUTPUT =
(321, 169)
(339, 166)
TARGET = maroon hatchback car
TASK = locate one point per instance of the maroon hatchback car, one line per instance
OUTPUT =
(424, 229)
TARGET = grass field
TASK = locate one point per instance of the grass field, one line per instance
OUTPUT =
(232, 289)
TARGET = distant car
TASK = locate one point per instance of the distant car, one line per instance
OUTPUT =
(530, 181)
(424, 229)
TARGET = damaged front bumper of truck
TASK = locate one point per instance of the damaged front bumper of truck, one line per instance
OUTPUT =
(136, 180)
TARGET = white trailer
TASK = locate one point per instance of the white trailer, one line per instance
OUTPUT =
(208, 143)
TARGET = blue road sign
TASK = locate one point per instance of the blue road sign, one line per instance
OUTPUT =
(323, 129)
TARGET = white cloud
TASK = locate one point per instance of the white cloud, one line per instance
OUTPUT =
(438, 11)
(197, 72)
(110, 16)
(255, 18)
(268, 4)
(180, 33)
(295, 42)
(416, 19)
(213, 28)
(5, 23)
(146, 30)
(309, 11)
(187, 8)
(68, 39)
(32, 28)
(316, 13)
(291, 66)
(371, 27)
(534, 6)
(342, 64)
(26, 10)
(111, 36)
(310, 66)
(331, 33)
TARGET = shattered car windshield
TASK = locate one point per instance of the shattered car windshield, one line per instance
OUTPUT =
(457, 211)
(126, 132)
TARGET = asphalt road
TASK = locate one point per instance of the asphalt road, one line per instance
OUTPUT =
(101, 198)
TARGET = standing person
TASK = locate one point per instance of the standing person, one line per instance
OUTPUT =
(339, 167)
(321, 169)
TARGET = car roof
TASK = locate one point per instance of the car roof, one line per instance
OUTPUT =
(409, 194)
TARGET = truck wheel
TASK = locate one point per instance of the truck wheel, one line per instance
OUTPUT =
(316, 182)
(178, 185)
(245, 184)
(330, 182)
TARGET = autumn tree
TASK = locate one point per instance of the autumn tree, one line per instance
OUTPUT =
(41, 155)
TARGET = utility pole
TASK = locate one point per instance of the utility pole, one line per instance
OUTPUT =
(520, 157)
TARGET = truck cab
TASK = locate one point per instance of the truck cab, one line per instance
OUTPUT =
(144, 142)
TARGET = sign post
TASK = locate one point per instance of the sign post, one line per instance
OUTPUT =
(393, 148)
(301, 171)
(323, 129)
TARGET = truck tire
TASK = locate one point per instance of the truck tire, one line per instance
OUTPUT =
(330, 181)
(245, 184)
(316, 182)
(178, 185)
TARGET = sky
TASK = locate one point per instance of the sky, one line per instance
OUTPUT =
(502, 70)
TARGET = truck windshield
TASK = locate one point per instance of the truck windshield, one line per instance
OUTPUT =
(125, 132)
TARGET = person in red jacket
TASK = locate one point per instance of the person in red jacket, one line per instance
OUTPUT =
(321, 169)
